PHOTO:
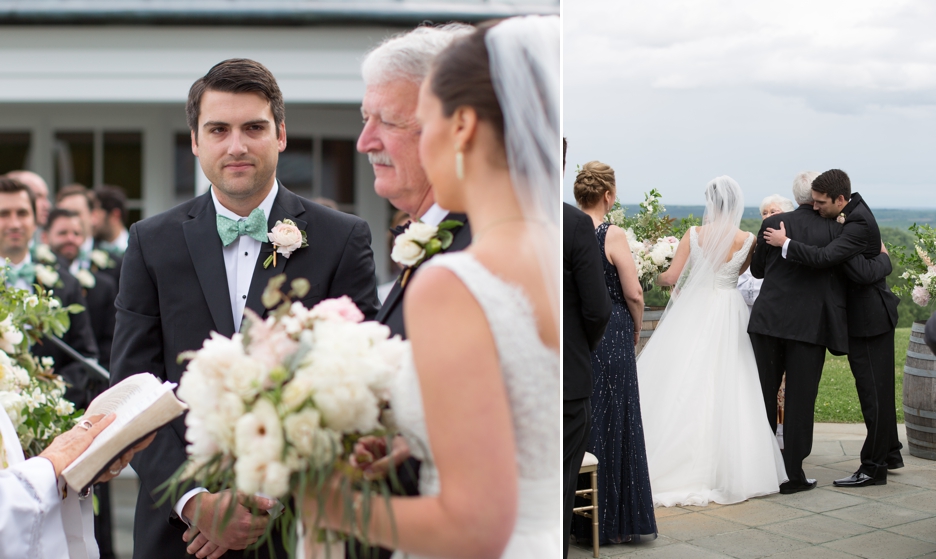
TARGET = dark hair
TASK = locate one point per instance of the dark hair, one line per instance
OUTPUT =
(112, 198)
(461, 77)
(236, 75)
(592, 182)
(13, 186)
(58, 213)
(77, 190)
(833, 183)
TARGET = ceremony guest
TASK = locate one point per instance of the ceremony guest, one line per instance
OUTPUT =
(35, 520)
(82, 201)
(479, 399)
(586, 308)
(194, 269)
(872, 314)
(748, 285)
(617, 437)
(393, 72)
(17, 229)
(794, 338)
(108, 219)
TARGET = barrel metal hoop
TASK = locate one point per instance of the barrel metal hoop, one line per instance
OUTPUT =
(917, 340)
(924, 444)
(919, 413)
(921, 356)
(920, 428)
(919, 372)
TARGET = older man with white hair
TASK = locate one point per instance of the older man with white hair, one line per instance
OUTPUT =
(393, 72)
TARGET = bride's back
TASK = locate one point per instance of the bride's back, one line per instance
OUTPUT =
(740, 237)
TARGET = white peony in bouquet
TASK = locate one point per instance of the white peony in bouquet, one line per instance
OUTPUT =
(278, 407)
(920, 264)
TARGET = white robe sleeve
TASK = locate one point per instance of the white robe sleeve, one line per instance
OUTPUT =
(31, 512)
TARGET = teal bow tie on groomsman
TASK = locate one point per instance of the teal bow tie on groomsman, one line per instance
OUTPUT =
(26, 272)
(254, 226)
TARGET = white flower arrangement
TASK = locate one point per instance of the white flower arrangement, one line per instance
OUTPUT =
(286, 238)
(86, 278)
(277, 408)
(920, 275)
(419, 242)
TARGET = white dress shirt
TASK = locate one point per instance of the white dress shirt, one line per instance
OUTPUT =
(240, 260)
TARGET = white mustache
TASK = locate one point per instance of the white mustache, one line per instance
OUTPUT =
(379, 158)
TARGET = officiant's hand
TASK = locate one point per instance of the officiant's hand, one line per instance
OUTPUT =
(68, 446)
(775, 237)
(370, 455)
(121, 463)
(206, 538)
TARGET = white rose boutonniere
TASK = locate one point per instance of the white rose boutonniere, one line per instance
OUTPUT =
(101, 259)
(841, 218)
(286, 238)
(47, 276)
(419, 242)
(44, 254)
(86, 278)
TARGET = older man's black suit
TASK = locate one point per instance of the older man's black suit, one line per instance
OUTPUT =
(174, 293)
(799, 312)
(586, 309)
(872, 318)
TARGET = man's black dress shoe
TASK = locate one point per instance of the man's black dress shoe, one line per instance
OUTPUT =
(861, 479)
(790, 487)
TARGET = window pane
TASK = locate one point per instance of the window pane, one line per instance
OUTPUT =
(123, 162)
(14, 151)
(184, 166)
(338, 172)
(294, 168)
(74, 158)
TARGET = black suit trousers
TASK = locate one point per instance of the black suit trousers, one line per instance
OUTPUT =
(872, 364)
(576, 426)
(802, 363)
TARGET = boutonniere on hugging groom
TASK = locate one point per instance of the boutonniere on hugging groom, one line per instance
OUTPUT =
(419, 242)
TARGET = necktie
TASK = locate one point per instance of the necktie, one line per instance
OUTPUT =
(254, 226)
(26, 272)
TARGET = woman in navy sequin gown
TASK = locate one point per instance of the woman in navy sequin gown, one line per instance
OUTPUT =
(625, 501)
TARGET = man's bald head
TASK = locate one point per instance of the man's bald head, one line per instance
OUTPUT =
(40, 192)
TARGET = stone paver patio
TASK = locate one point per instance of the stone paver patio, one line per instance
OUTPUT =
(893, 521)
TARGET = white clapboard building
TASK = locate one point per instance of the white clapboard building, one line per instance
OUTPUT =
(93, 91)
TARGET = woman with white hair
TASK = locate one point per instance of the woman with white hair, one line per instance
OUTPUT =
(748, 285)
(706, 429)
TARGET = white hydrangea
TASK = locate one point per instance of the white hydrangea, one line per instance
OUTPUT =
(259, 433)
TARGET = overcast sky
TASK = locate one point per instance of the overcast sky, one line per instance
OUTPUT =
(672, 93)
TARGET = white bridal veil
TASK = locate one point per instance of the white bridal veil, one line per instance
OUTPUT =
(524, 58)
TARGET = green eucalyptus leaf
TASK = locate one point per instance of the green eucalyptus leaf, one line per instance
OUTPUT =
(450, 224)
(300, 288)
(445, 238)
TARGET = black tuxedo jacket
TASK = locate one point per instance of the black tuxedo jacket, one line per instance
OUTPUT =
(872, 308)
(586, 305)
(391, 313)
(79, 336)
(102, 314)
(174, 293)
(929, 335)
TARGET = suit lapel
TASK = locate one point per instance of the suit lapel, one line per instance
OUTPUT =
(286, 205)
(204, 245)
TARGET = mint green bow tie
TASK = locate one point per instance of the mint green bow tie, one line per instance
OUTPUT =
(254, 226)
(27, 272)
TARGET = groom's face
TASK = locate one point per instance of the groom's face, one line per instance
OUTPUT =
(237, 144)
(826, 206)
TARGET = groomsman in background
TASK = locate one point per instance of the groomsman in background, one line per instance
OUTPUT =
(82, 201)
(40, 190)
(872, 316)
(586, 309)
(393, 72)
(108, 220)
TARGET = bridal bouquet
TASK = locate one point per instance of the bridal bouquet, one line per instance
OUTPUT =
(920, 275)
(277, 408)
(29, 392)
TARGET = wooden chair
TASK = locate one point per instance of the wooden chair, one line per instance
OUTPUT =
(590, 466)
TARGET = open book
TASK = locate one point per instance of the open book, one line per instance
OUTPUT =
(143, 405)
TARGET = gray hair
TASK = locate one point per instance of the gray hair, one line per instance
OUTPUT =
(785, 204)
(409, 55)
(802, 187)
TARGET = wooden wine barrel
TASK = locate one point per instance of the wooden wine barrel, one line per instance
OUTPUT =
(919, 395)
(651, 319)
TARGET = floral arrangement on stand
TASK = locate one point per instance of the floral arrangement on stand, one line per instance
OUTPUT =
(920, 275)
(29, 392)
(653, 235)
(276, 409)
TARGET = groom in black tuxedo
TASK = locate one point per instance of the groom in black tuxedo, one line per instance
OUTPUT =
(872, 317)
(799, 313)
(180, 281)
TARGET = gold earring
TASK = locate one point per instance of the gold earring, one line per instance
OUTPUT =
(460, 165)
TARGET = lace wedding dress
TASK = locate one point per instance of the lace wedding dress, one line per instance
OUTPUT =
(706, 430)
(531, 375)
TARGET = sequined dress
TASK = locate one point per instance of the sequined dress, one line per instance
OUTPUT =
(617, 439)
